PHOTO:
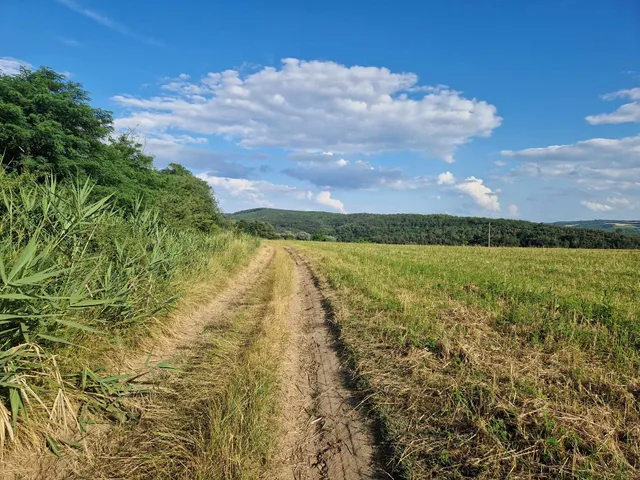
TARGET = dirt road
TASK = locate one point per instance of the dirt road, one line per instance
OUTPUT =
(319, 432)
(326, 436)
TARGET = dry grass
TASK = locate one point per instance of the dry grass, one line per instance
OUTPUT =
(502, 363)
(62, 426)
(81, 282)
(219, 418)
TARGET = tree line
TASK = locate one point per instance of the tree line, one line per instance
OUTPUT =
(434, 230)
(262, 229)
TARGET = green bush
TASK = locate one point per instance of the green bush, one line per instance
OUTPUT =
(48, 127)
(258, 229)
(303, 236)
(85, 261)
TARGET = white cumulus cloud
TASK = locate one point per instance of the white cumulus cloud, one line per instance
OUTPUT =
(257, 193)
(479, 193)
(316, 106)
(324, 198)
(596, 207)
(11, 66)
(595, 149)
(513, 211)
(446, 178)
(614, 163)
(629, 112)
(619, 201)
(247, 193)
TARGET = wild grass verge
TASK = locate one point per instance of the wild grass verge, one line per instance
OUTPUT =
(494, 363)
(218, 419)
(80, 279)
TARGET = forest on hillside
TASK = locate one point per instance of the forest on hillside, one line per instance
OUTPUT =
(427, 230)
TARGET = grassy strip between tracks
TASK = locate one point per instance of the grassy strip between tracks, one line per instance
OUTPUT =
(218, 418)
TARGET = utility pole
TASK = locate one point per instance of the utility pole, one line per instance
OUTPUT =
(489, 234)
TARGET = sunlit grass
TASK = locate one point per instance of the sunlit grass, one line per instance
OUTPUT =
(221, 417)
(77, 277)
(494, 361)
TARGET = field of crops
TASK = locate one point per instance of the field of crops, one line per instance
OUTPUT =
(493, 362)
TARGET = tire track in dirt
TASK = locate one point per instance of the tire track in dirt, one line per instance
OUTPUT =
(182, 338)
(325, 435)
(186, 330)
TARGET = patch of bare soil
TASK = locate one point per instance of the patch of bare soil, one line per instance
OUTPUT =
(324, 435)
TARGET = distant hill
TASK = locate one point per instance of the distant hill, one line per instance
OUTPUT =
(435, 229)
(625, 226)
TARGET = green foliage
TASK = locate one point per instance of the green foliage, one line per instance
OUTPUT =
(46, 122)
(182, 200)
(47, 126)
(119, 167)
(93, 240)
(74, 268)
(303, 236)
(186, 201)
(257, 229)
(65, 257)
(437, 230)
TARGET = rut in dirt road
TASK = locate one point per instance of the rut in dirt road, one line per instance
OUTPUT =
(327, 438)
(259, 373)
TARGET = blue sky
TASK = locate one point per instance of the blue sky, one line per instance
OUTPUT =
(495, 108)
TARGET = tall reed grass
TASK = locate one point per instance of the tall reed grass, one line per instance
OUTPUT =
(76, 272)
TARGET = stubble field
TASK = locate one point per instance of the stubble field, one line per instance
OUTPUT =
(519, 363)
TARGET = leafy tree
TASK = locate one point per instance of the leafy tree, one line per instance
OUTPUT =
(258, 229)
(47, 123)
(121, 167)
(303, 236)
(48, 126)
(187, 201)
